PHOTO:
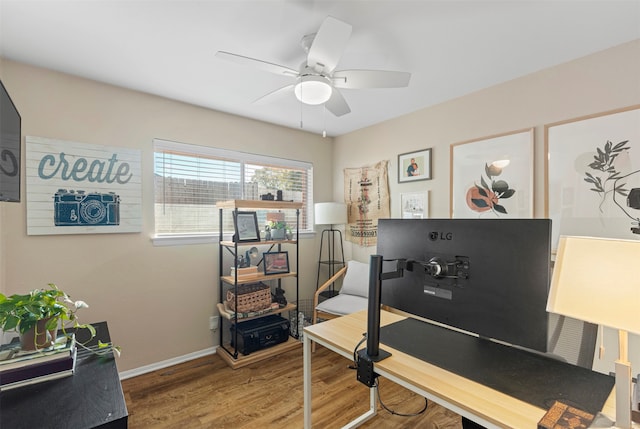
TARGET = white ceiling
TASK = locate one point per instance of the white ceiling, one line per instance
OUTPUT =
(167, 47)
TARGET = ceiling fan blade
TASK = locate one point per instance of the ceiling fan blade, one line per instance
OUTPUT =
(328, 45)
(273, 96)
(359, 79)
(252, 62)
(337, 104)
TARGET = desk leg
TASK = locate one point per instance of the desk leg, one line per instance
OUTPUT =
(366, 416)
(306, 375)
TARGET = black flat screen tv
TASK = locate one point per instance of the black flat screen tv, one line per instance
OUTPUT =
(10, 138)
(489, 277)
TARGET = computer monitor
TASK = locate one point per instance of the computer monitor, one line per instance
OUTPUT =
(10, 138)
(489, 277)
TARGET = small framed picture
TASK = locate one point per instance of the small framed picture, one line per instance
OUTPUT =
(414, 205)
(276, 262)
(414, 166)
(246, 227)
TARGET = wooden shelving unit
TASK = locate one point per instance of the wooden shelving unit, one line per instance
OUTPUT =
(260, 355)
(229, 315)
(227, 352)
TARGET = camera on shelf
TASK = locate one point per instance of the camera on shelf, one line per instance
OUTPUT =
(77, 208)
(267, 197)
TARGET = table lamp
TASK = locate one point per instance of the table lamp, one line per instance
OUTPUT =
(330, 214)
(597, 280)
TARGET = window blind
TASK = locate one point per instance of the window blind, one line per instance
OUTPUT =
(190, 180)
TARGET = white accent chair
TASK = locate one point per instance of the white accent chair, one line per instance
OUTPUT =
(353, 295)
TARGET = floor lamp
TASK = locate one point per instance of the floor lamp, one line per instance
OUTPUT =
(596, 280)
(330, 214)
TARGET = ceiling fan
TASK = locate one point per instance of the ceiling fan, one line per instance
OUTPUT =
(317, 81)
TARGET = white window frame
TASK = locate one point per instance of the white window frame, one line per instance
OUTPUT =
(170, 239)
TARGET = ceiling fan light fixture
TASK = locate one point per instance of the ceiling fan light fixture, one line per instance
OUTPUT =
(313, 90)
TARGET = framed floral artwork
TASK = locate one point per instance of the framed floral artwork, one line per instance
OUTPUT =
(592, 183)
(414, 166)
(493, 176)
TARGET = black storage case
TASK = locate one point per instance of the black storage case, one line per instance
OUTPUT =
(257, 334)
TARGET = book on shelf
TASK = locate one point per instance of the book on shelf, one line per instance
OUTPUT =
(561, 415)
(12, 356)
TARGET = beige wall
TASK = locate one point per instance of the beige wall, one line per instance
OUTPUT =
(597, 83)
(137, 287)
(157, 300)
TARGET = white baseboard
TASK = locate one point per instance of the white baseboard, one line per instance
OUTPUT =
(166, 363)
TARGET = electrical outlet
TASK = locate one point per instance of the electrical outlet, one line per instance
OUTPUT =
(214, 322)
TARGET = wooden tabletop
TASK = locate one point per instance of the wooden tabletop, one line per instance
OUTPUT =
(449, 389)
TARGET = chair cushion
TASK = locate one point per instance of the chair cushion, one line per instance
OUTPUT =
(356, 281)
(343, 304)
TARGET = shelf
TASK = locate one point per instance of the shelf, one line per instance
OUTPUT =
(256, 243)
(331, 262)
(231, 282)
(258, 204)
(230, 316)
(258, 356)
(258, 277)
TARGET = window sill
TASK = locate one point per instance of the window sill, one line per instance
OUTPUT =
(183, 240)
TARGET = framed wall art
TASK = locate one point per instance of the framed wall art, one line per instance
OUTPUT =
(493, 176)
(592, 183)
(82, 188)
(414, 166)
(246, 227)
(414, 205)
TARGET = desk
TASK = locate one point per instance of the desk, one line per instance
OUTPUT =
(472, 400)
(92, 397)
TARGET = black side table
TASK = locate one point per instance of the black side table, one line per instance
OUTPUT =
(91, 398)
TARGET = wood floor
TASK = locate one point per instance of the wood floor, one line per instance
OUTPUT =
(206, 393)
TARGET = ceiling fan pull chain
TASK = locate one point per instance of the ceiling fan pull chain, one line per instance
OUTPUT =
(301, 125)
(324, 120)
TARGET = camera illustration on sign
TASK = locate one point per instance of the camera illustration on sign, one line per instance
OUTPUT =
(77, 208)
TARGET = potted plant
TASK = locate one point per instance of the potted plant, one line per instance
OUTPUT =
(38, 315)
(278, 229)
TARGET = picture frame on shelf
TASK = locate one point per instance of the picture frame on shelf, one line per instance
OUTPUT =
(414, 166)
(246, 227)
(276, 262)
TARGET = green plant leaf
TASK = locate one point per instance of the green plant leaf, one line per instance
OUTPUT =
(479, 202)
(508, 193)
(499, 209)
(482, 192)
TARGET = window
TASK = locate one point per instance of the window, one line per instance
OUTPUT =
(190, 180)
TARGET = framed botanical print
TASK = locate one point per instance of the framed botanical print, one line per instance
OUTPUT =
(493, 176)
(593, 175)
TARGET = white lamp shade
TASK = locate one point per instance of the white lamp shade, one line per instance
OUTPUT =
(330, 213)
(597, 280)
